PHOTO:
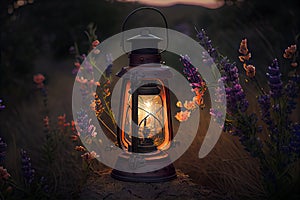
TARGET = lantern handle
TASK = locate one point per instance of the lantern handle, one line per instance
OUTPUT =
(145, 8)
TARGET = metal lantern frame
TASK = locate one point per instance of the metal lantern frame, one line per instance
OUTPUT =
(144, 77)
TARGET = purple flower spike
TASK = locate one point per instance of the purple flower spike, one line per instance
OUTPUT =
(295, 140)
(191, 73)
(3, 147)
(1, 106)
(109, 61)
(291, 92)
(274, 79)
(28, 171)
(217, 115)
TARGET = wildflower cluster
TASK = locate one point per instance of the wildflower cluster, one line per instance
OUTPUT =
(276, 108)
(8, 184)
(238, 122)
(198, 87)
(280, 147)
(95, 94)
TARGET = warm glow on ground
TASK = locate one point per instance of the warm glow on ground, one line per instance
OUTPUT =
(212, 4)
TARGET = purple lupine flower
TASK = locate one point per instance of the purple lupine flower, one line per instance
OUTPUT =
(1, 106)
(3, 147)
(207, 44)
(220, 91)
(236, 98)
(72, 50)
(87, 66)
(207, 59)
(28, 171)
(82, 121)
(44, 185)
(295, 139)
(217, 116)
(85, 124)
(191, 73)
(109, 60)
(291, 92)
(85, 94)
(231, 72)
(78, 61)
(274, 79)
(264, 102)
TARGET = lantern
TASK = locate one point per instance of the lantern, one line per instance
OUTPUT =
(145, 125)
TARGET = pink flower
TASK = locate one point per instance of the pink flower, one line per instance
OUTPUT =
(95, 43)
(183, 115)
(38, 80)
(81, 80)
(4, 175)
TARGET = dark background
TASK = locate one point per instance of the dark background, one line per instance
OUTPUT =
(49, 28)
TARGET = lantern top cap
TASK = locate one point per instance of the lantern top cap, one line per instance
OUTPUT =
(145, 35)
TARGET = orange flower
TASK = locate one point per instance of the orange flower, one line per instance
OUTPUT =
(61, 120)
(290, 51)
(89, 156)
(198, 98)
(183, 115)
(106, 92)
(38, 80)
(97, 106)
(92, 82)
(46, 122)
(190, 105)
(244, 58)
(95, 43)
(294, 64)
(80, 148)
(243, 47)
(250, 70)
(246, 55)
(74, 137)
(179, 104)
(73, 126)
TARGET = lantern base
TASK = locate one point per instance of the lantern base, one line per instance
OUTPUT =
(152, 159)
(165, 174)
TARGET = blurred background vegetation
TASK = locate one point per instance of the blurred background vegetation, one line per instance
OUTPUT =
(36, 37)
(44, 28)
